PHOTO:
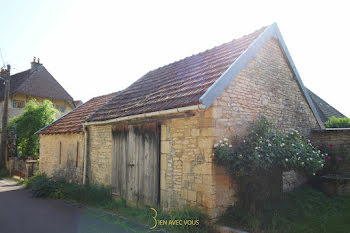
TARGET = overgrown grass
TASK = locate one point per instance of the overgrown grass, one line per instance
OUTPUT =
(305, 210)
(101, 197)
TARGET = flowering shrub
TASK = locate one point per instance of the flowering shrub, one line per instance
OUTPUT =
(264, 150)
(333, 159)
(258, 160)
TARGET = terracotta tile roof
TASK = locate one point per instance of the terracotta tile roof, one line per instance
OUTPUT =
(36, 83)
(72, 122)
(178, 84)
(324, 110)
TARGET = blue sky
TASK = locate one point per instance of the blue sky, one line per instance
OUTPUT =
(97, 47)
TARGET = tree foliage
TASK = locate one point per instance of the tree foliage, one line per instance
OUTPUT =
(36, 116)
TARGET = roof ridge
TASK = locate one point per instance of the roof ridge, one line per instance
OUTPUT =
(199, 53)
(115, 92)
(30, 77)
(20, 72)
(197, 71)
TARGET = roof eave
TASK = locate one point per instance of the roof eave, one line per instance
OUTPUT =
(215, 90)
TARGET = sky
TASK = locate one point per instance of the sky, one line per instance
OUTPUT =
(98, 47)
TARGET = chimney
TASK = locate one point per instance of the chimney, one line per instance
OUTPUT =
(35, 64)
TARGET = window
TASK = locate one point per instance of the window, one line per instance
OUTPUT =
(18, 104)
(60, 108)
(77, 156)
(60, 153)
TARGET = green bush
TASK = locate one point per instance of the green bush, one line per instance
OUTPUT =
(258, 160)
(42, 186)
(334, 122)
(57, 188)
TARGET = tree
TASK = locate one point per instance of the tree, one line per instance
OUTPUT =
(36, 116)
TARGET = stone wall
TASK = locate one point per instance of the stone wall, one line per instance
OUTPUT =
(291, 180)
(340, 139)
(99, 162)
(186, 162)
(59, 154)
(22, 168)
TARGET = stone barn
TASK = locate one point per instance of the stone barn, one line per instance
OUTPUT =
(153, 141)
(62, 142)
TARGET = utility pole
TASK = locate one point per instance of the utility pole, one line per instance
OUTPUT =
(5, 74)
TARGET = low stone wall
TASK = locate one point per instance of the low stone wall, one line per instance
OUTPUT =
(22, 168)
(340, 139)
(291, 180)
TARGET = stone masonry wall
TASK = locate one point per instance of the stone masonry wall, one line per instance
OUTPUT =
(71, 144)
(99, 162)
(265, 86)
(186, 163)
(340, 138)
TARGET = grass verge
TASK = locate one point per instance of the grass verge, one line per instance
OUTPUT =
(304, 210)
(101, 197)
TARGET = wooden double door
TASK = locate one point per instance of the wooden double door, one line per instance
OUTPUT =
(135, 169)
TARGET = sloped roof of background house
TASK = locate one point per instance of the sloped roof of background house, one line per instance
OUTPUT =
(72, 122)
(324, 109)
(77, 103)
(178, 84)
(36, 83)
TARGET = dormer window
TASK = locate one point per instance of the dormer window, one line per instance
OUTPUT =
(18, 104)
(60, 108)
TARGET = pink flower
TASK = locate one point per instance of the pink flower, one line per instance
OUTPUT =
(328, 158)
(330, 145)
(340, 159)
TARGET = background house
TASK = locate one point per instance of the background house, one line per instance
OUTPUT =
(325, 110)
(62, 142)
(35, 83)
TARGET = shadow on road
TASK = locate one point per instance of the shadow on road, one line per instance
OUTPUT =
(20, 213)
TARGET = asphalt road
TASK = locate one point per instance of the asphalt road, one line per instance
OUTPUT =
(20, 213)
